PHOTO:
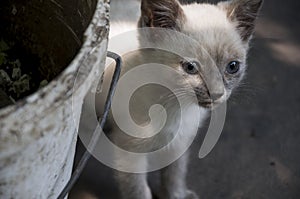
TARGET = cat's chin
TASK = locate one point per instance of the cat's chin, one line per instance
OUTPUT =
(206, 105)
(212, 104)
(209, 105)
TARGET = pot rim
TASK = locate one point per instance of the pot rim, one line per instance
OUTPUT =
(91, 41)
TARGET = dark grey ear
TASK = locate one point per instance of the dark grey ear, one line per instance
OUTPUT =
(161, 13)
(244, 13)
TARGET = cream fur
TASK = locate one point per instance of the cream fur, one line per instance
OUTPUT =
(220, 41)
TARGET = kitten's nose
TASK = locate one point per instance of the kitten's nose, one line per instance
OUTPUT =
(216, 96)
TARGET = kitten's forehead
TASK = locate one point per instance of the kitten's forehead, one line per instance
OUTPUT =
(205, 16)
(209, 25)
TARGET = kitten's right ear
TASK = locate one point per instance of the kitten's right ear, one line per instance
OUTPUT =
(244, 13)
(162, 14)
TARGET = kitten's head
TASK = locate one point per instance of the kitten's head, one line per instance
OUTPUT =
(223, 30)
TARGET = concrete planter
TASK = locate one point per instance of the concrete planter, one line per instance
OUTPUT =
(38, 134)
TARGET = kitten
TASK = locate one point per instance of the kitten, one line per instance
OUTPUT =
(224, 31)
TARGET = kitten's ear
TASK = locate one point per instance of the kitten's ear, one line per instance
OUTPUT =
(162, 14)
(244, 13)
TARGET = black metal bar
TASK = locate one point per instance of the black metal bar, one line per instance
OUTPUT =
(86, 156)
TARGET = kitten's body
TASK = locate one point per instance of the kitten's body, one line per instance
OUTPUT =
(223, 40)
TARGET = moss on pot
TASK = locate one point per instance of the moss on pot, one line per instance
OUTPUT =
(39, 40)
(18, 75)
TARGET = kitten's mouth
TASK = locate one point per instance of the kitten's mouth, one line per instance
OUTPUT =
(209, 104)
(206, 104)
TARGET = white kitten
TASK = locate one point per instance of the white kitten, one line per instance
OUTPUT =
(224, 31)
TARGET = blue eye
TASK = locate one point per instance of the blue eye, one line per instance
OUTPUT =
(190, 67)
(233, 67)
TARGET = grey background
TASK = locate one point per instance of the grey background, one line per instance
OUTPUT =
(257, 156)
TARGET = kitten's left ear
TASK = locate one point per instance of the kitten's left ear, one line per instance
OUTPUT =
(161, 14)
(244, 13)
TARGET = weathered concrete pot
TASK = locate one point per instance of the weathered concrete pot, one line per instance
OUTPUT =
(38, 134)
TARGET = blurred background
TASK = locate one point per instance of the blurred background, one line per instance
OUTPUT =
(258, 153)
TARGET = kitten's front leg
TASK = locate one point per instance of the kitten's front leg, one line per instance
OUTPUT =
(133, 186)
(173, 183)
